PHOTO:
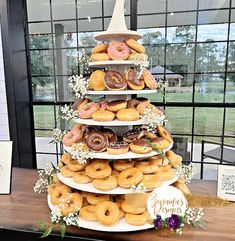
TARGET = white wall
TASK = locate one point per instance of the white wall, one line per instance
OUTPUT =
(4, 126)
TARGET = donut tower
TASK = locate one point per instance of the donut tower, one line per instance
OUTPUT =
(105, 182)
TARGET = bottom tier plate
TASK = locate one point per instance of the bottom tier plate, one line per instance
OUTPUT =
(121, 226)
(90, 188)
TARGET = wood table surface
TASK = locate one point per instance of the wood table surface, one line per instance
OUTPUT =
(20, 211)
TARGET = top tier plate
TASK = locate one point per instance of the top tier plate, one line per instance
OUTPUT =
(110, 62)
(109, 35)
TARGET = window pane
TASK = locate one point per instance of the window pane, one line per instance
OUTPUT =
(208, 121)
(212, 32)
(230, 122)
(177, 19)
(90, 25)
(209, 88)
(181, 5)
(180, 57)
(42, 142)
(220, 16)
(42, 62)
(151, 21)
(43, 117)
(230, 88)
(211, 57)
(44, 160)
(205, 4)
(229, 141)
(38, 10)
(156, 97)
(181, 34)
(86, 39)
(63, 9)
(43, 88)
(89, 8)
(232, 31)
(147, 6)
(109, 6)
(179, 120)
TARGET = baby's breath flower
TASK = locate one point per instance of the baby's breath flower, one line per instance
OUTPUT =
(67, 113)
(139, 188)
(56, 215)
(79, 85)
(41, 185)
(71, 219)
(162, 84)
(57, 135)
(140, 65)
(192, 215)
(186, 171)
(80, 154)
(84, 62)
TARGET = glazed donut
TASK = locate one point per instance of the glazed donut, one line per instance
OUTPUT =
(66, 158)
(165, 168)
(107, 213)
(81, 178)
(94, 198)
(147, 167)
(100, 57)
(166, 175)
(142, 106)
(87, 110)
(129, 177)
(118, 50)
(60, 192)
(105, 184)
(121, 165)
(72, 137)
(100, 48)
(85, 203)
(71, 204)
(159, 160)
(88, 213)
(128, 115)
(174, 159)
(117, 105)
(51, 188)
(136, 219)
(96, 80)
(117, 147)
(132, 103)
(133, 134)
(138, 57)
(80, 103)
(151, 134)
(121, 212)
(149, 80)
(112, 137)
(66, 172)
(140, 147)
(182, 187)
(163, 132)
(119, 198)
(133, 44)
(115, 173)
(98, 169)
(75, 166)
(103, 104)
(151, 181)
(128, 208)
(114, 80)
(160, 143)
(103, 115)
(132, 80)
(96, 141)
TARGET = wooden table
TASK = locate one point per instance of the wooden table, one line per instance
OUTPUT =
(20, 211)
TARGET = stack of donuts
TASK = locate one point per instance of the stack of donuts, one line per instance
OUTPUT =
(98, 139)
(130, 49)
(122, 110)
(114, 80)
(105, 175)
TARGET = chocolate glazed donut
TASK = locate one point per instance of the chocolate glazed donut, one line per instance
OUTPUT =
(110, 134)
(132, 77)
(115, 80)
(96, 141)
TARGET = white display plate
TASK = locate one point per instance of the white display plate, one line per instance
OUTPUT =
(121, 226)
(90, 188)
(108, 35)
(121, 92)
(92, 122)
(111, 62)
(129, 155)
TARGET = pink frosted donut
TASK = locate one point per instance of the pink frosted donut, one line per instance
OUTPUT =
(103, 105)
(72, 137)
(118, 50)
(87, 110)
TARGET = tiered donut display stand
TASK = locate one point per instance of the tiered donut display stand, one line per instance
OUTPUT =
(117, 31)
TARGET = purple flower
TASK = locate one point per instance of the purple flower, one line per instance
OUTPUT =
(158, 222)
(174, 221)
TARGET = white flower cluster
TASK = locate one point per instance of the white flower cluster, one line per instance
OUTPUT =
(152, 119)
(186, 171)
(162, 84)
(84, 62)
(140, 66)
(139, 188)
(56, 215)
(193, 215)
(179, 230)
(71, 219)
(80, 154)
(67, 113)
(57, 135)
(79, 85)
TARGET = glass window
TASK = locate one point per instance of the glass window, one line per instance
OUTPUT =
(44, 159)
(63, 9)
(229, 141)
(230, 122)
(44, 117)
(207, 4)
(232, 31)
(151, 21)
(87, 9)
(38, 10)
(181, 5)
(178, 19)
(147, 6)
(219, 16)
(90, 25)
(42, 142)
(211, 57)
(109, 6)
(230, 88)
(181, 34)
(152, 36)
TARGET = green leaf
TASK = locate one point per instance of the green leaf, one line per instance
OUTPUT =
(41, 224)
(62, 229)
(202, 224)
(47, 232)
(193, 224)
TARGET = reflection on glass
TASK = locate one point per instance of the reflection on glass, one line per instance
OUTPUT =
(147, 6)
(206, 17)
(63, 9)
(41, 62)
(151, 21)
(86, 39)
(232, 31)
(181, 5)
(207, 4)
(211, 57)
(209, 88)
(38, 10)
(231, 57)
(43, 117)
(152, 36)
(208, 121)
(43, 88)
(180, 57)
(88, 9)
(181, 34)
(178, 19)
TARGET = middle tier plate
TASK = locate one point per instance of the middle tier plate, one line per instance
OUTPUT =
(128, 155)
(92, 122)
(90, 188)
